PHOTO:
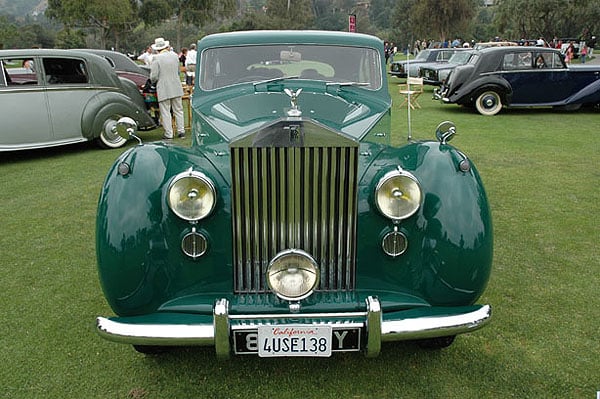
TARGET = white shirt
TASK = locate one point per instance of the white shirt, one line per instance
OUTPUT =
(146, 57)
(190, 58)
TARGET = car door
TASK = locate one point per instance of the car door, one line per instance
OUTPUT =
(24, 106)
(69, 91)
(534, 82)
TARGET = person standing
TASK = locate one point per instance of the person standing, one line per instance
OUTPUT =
(146, 56)
(569, 53)
(583, 53)
(164, 72)
(190, 65)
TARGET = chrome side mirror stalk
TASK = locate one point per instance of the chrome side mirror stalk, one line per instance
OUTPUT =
(445, 132)
(127, 128)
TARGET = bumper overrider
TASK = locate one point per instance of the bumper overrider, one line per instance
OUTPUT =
(349, 331)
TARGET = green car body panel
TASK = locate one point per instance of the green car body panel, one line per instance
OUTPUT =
(150, 282)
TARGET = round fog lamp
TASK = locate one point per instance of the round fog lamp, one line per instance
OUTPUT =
(398, 195)
(192, 195)
(293, 275)
(394, 243)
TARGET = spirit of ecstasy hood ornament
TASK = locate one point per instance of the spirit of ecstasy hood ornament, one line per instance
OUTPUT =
(294, 111)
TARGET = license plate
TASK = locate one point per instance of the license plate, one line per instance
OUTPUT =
(275, 341)
(294, 340)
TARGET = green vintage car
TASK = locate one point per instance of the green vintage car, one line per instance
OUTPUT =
(292, 227)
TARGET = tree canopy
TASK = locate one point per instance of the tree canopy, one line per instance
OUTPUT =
(132, 24)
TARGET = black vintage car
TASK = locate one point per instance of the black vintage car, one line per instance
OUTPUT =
(521, 77)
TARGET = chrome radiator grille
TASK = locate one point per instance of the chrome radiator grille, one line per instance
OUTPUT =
(294, 197)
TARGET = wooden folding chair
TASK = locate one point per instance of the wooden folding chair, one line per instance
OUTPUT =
(411, 90)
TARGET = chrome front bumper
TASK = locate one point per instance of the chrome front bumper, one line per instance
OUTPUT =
(379, 328)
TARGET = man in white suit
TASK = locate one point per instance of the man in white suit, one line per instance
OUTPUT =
(164, 72)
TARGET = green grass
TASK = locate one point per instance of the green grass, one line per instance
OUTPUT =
(542, 175)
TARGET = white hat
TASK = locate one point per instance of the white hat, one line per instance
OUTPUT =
(160, 44)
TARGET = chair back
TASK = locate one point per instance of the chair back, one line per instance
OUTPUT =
(415, 84)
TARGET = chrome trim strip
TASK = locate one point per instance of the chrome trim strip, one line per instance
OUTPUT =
(435, 326)
(347, 315)
(252, 326)
(221, 328)
(374, 318)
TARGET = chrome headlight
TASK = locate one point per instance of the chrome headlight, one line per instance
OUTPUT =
(192, 195)
(293, 275)
(398, 195)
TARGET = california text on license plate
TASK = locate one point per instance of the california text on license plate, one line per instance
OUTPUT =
(294, 340)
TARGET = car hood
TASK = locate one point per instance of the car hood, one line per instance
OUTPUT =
(347, 110)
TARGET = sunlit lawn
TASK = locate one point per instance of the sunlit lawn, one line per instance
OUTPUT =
(542, 174)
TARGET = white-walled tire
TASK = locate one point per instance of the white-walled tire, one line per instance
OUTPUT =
(488, 103)
(109, 138)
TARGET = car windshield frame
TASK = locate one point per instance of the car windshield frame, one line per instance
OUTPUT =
(227, 66)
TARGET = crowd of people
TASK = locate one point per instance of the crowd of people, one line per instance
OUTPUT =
(166, 67)
(570, 48)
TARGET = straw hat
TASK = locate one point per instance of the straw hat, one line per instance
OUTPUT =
(160, 44)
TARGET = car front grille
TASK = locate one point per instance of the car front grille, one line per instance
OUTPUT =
(429, 74)
(301, 197)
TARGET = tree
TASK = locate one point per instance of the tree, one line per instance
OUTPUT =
(443, 19)
(8, 32)
(290, 14)
(112, 18)
(547, 18)
(186, 12)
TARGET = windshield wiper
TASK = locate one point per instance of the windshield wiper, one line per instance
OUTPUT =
(346, 84)
(274, 80)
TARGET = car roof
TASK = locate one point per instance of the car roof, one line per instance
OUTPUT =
(29, 52)
(120, 60)
(483, 45)
(512, 49)
(289, 36)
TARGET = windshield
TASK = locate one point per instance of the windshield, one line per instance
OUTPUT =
(460, 57)
(423, 55)
(227, 66)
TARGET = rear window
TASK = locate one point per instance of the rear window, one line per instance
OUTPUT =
(18, 71)
(65, 71)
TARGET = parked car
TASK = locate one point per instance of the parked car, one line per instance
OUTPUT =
(521, 77)
(61, 97)
(436, 73)
(123, 66)
(425, 57)
(292, 227)
(482, 45)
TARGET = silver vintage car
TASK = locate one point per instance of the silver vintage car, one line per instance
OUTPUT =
(57, 97)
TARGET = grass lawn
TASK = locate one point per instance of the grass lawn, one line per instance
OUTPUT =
(542, 175)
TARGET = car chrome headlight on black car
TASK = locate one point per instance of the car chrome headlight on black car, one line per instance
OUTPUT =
(192, 195)
(398, 195)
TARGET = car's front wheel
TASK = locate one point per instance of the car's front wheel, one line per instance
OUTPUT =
(109, 138)
(488, 103)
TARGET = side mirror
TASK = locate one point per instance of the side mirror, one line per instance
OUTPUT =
(127, 128)
(445, 132)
